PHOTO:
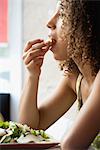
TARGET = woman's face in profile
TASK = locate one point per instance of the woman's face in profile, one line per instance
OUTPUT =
(59, 49)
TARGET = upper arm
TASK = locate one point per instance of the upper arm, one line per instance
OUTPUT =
(87, 124)
(57, 104)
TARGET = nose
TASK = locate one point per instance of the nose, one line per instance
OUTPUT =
(51, 23)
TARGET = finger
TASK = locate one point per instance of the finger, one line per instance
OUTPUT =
(36, 63)
(30, 43)
(36, 52)
(38, 58)
(45, 46)
(39, 61)
(33, 55)
(45, 49)
(27, 60)
(25, 55)
(30, 64)
(42, 44)
(29, 53)
(38, 45)
(35, 48)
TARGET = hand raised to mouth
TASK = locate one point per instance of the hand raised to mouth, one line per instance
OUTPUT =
(50, 42)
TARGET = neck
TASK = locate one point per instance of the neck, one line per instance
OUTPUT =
(86, 71)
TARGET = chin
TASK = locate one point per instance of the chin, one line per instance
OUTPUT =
(58, 58)
(56, 55)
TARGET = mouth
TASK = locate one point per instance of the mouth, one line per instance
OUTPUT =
(51, 41)
(52, 44)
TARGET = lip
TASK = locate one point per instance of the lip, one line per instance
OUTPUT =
(53, 45)
(53, 39)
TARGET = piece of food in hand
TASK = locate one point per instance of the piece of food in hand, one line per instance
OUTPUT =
(12, 132)
(49, 41)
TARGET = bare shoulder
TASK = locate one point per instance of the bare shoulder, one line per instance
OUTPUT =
(96, 86)
(70, 78)
(97, 79)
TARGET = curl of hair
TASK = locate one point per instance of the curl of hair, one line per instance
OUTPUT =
(83, 20)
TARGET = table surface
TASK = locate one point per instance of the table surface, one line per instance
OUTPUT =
(52, 148)
(55, 148)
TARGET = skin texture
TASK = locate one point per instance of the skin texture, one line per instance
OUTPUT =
(45, 114)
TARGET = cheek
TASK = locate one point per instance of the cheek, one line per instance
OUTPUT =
(62, 41)
(62, 50)
(62, 38)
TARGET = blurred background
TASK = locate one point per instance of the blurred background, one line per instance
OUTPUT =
(20, 21)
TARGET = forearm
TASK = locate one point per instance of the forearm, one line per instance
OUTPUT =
(33, 57)
(28, 112)
(71, 146)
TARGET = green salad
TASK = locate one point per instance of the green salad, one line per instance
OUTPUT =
(96, 142)
(12, 132)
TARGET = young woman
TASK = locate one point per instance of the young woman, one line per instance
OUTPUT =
(75, 38)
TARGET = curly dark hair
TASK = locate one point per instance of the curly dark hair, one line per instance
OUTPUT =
(83, 19)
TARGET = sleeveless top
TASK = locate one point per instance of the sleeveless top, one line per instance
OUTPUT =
(78, 91)
(96, 142)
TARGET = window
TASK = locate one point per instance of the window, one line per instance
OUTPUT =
(4, 73)
(3, 21)
(11, 51)
(3, 28)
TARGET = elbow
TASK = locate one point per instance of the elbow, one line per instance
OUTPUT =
(66, 146)
(69, 145)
